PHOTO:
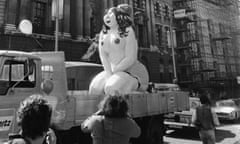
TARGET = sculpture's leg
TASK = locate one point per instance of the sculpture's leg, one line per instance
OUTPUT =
(120, 83)
(97, 84)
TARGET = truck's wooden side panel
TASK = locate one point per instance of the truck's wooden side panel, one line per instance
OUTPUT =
(140, 104)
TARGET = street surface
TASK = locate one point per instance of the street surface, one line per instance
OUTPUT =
(225, 134)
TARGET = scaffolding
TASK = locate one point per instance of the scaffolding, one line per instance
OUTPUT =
(207, 46)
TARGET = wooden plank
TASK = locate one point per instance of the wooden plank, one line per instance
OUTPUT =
(140, 104)
(137, 105)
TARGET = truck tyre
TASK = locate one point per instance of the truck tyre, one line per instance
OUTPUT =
(155, 130)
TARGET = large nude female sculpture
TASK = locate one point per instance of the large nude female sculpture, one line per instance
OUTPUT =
(118, 49)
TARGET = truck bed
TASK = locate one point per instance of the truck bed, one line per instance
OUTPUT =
(140, 104)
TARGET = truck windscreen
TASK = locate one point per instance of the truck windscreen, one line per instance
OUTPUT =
(16, 73)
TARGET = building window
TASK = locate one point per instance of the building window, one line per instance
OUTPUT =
(157, 9)
(164, 37)
(140, 20)
(159, 34)
(166, 12)
(47, 72)
(139, 4)
(39, 17)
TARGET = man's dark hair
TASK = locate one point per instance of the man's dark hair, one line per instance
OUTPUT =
(204, 99)
(34, 115)
(114, 107)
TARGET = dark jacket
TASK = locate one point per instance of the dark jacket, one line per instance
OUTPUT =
(205, 118)
(111, 130)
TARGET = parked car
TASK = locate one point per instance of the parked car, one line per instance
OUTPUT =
(227, 109)
(166, 87)
(182, 119)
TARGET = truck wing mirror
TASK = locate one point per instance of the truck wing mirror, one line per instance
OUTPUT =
(25, 26)
(31, 67)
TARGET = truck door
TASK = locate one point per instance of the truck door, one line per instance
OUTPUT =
(53, 68)
(17, 81)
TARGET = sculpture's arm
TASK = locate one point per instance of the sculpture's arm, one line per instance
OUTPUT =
(104, 56)
(131, 49)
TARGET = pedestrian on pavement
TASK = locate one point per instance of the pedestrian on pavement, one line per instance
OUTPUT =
(112, 123)
(33, 117)
(205, 120)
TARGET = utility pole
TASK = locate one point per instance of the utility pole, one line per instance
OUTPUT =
(172, 44)
(56, 25)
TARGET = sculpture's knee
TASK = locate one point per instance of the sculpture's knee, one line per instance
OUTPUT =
(111, 90)
(95, 90)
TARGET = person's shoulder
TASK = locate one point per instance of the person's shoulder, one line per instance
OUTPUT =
(16, 141)
(96, 117)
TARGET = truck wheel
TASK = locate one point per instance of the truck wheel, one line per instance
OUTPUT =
(155, 131)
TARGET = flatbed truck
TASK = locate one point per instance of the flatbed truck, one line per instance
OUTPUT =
(21, 75)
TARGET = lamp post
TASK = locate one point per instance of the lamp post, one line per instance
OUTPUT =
(172, 44)
(57, 14)
(56, 25)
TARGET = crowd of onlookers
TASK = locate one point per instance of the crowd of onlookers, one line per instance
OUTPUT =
(111, 124)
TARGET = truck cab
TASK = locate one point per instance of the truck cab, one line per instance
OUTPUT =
(18, 79)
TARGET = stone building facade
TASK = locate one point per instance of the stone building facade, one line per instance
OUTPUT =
(208, 45)
(201, 36)
(82, 19)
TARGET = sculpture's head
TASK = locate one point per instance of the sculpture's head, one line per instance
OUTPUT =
(110, 17)
(118, 17)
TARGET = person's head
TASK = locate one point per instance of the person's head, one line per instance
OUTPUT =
(118, 17)
(204, 99)
(34, 116)
(47, 86)
(114, 107)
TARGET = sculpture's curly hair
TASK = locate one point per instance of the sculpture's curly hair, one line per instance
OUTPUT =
(123, 19)
(34, 115)
(114, 107)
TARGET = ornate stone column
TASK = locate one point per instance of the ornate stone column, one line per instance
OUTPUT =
(79, 18)
(76, 19)
(87, 16)
(66, 18)
(25, 10)
(10, 19)
(96, 16)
